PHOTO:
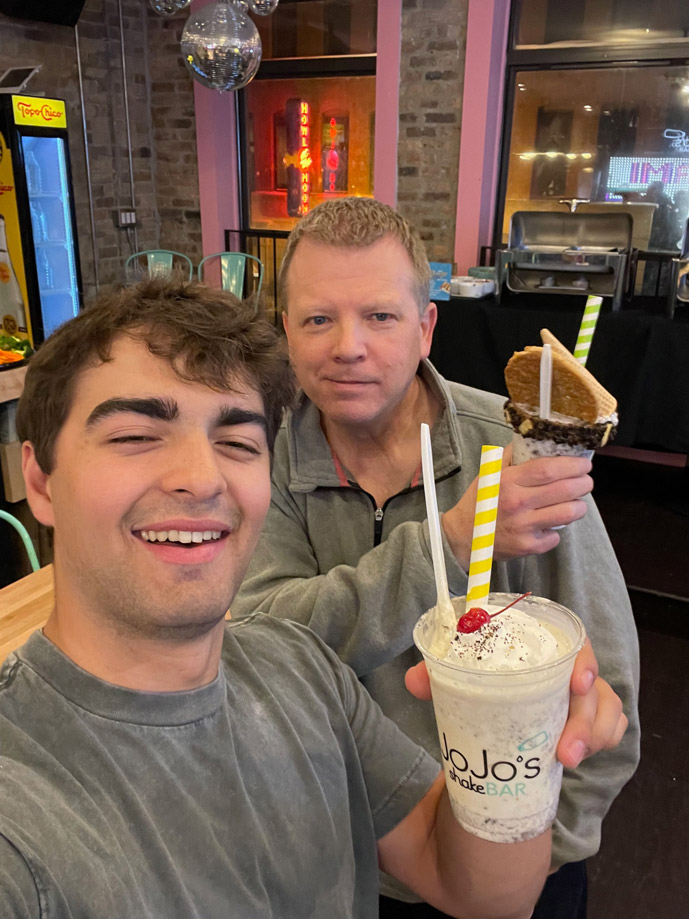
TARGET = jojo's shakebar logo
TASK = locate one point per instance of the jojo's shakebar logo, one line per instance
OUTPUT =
(495, 778)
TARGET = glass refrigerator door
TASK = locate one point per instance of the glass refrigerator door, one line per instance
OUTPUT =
(49, 203)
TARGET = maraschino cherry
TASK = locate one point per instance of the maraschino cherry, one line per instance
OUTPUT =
(476, 617)
(472, 620)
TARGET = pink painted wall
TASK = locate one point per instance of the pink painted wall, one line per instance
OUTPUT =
(216, 149)
(218, 168)
(479, 153)
(388, 49)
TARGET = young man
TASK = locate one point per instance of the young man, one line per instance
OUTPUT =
(345, 548)
(154, 763)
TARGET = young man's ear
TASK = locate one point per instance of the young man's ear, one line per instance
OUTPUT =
(37, 486)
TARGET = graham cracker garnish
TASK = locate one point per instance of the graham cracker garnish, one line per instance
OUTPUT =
(575, 391)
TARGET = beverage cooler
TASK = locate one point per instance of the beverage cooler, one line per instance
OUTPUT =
(40, 278)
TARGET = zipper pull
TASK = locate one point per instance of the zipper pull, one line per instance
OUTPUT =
(378, 526)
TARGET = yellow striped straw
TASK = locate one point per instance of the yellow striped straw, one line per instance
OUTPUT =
(483, 539)
(587, 328)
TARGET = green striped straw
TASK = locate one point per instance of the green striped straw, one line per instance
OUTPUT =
(587, 328)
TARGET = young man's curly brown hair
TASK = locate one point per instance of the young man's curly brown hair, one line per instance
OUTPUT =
(205, 335)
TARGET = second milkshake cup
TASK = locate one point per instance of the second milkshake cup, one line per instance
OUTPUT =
(499, 729)
(583, 414)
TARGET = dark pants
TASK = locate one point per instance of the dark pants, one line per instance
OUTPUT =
(563, 897)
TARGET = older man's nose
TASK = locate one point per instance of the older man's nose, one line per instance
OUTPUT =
(350, 344)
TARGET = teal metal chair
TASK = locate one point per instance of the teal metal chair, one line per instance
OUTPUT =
(232, 267)
(157, 263)
(26, 539)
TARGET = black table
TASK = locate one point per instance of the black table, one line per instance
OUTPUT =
(642, 359)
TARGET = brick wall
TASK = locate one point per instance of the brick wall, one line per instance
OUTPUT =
(430, 105)
(161, 113)
(174, 139)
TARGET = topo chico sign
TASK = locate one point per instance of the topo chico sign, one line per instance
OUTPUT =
(38, 112)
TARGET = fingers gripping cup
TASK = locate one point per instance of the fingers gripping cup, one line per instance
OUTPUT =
(501, 697)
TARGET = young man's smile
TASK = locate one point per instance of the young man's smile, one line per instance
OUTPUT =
(185, 542)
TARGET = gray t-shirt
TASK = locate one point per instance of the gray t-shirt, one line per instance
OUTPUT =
(259, 795)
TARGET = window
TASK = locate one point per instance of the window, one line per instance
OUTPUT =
(597, 108)
(542, 23)
(318, 28)
(310, 138)
(307, 120)
(616, 135)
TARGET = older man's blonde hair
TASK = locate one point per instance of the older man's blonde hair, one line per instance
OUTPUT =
(357, 223)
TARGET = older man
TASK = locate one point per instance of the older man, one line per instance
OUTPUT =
(345, 548)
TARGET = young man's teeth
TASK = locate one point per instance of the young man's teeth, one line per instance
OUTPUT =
(182, 536)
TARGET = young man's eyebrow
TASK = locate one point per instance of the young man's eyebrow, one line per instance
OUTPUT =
(150, 406)
(231, 416)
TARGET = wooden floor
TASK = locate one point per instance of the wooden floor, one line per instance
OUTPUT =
(642, 869)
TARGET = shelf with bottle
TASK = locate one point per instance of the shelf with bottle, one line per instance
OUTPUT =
(50, 244)
(48, 220)
(42, 167)
(54, 269)
(52, 291)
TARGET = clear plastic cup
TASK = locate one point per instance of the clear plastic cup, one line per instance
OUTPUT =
(499, 730)
(526, 448)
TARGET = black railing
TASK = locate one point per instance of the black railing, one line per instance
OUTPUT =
(488, 254)
(653, 272)
(268, 246)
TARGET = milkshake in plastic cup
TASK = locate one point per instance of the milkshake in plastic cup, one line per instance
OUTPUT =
(526, 448)
(501, 697)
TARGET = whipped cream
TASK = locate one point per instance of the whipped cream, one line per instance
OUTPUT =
(511, 641)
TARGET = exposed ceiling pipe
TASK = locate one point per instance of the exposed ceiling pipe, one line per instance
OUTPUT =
(125, 96)
(88, 160)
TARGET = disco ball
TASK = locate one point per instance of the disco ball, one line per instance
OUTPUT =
(168, 7)
(221, 46)
(263, 7)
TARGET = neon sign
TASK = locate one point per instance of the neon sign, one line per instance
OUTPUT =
(332, 159)
(678, 139)
(298, 159)
(636, 173)
(334, 153)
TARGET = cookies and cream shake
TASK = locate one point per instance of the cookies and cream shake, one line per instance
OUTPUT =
(501, 697)
(583, 414)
